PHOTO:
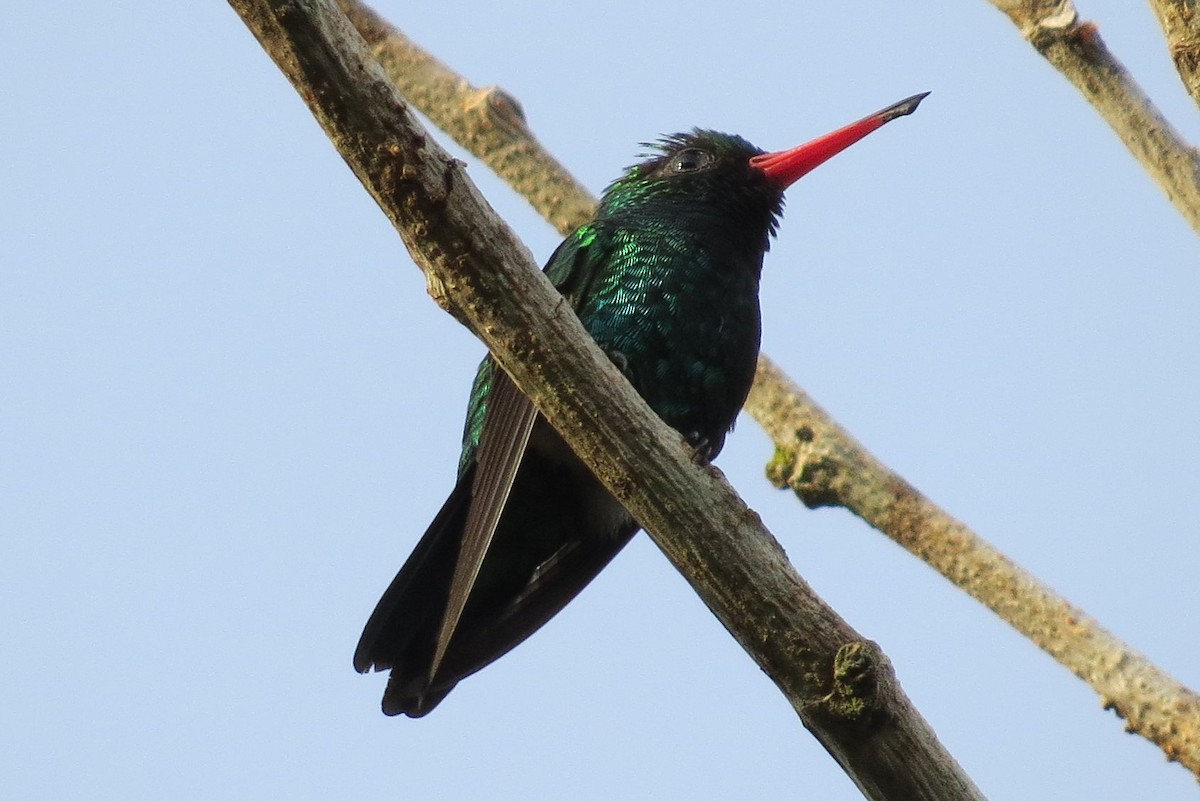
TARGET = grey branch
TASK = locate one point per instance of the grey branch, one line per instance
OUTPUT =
(825, 466)
(1076, 50)
(1180, 20)
(841, 685)
(486, 120)
(815, 456)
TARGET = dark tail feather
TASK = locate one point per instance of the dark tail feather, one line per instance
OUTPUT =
(400, 631)
(587, 529)
(401, 702)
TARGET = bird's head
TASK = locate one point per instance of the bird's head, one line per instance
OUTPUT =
(722, 179)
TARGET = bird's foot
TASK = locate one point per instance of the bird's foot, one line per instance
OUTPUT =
(703, 449)
(620, 360)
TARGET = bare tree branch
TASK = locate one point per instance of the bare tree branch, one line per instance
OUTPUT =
(1180, 20)
(815, 456)
(823, 464)
(842, 686)
(1077, 51)
(481, 120)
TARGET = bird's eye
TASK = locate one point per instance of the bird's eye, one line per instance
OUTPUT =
(689, 160)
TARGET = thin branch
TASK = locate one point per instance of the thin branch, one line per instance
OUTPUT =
(1180, 20)
(826, 466)
(841, 685)
(1077, 51)
(480, 119)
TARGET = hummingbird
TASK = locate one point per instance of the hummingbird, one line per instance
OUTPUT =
(665, 278)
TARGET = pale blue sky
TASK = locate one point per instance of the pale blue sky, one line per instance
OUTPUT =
(229, 409)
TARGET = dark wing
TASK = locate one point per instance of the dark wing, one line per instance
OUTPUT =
(507, 426)
(577, 261)
(417, 620)
(508, 423)
(411, 599)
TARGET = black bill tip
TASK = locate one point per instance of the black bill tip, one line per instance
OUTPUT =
(902, 109)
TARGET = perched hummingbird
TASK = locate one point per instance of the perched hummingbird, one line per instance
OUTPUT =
(665, 279)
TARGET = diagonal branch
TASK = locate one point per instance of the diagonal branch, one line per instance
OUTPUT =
(825, 466)
(815, 456)
(483, 120)
(841, 685)
(1076, 50)
(1180, 20)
